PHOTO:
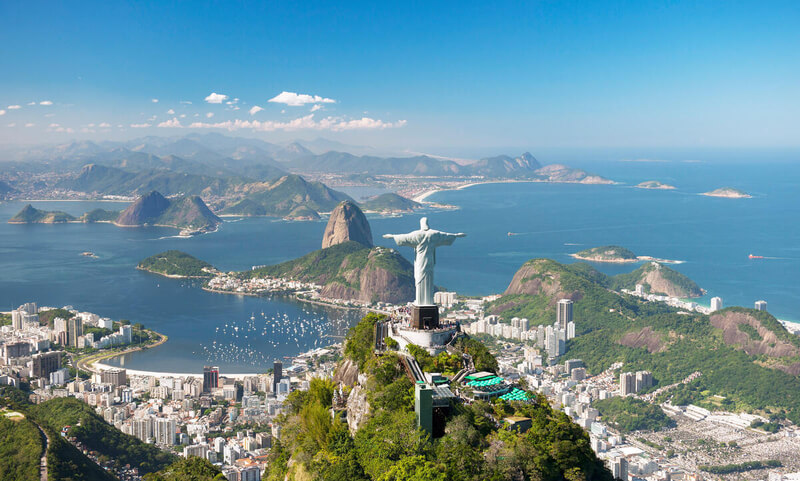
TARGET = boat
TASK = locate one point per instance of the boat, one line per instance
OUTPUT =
(751, 256)
(511, 234)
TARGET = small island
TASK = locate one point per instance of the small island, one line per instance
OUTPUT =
(177, 264)
(390, 203)
(728, 193)
(654, 185)
(614, 254)
(188, 213)
(31, 215)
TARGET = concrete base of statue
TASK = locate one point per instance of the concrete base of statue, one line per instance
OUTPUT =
(425, 317)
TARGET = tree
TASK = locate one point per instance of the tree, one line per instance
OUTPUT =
(414, 468)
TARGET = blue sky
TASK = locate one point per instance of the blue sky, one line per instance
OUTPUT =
(420, 76)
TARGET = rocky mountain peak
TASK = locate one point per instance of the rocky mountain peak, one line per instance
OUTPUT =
(347, 223)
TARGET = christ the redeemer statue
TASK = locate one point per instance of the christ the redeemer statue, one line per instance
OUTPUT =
(424, 241)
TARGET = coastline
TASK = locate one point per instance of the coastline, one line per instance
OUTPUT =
(170, 276)
(421, 197)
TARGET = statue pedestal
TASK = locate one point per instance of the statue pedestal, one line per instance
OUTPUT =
(425, 317)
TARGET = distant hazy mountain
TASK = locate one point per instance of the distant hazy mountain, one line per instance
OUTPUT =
(282, 197)
(5, 190)
(104, 180)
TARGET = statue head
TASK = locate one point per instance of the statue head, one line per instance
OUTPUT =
(423, 224)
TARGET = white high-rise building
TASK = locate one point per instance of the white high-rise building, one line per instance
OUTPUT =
(164, 431)
(761, 305)
(571, 330)
(716, 304)
(17, 320)
(564, 313)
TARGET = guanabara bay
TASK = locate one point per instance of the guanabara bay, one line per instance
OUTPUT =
(399, 241)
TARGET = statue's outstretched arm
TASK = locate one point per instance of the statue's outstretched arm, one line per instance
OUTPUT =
(388, 236)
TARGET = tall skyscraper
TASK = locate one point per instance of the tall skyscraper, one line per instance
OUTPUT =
(277, 375)
(564, 313)
(210, 378)
(74, 330)
(644, 380)
(716, 304)
(45, 363)
(17, 320)
(619, 468)
(627, 383)
(761, 305)
(164, 431)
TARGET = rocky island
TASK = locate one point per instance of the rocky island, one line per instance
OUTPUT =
(177, 264)
(614, 254)
(31, 215)
(728, 193)
(188, 213)
(654, 185)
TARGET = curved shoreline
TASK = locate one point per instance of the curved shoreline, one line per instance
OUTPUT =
(421, 197)
(88, 363)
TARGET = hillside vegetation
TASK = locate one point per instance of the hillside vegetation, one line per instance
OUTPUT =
(97, 435)
(350, 271)
(653, 336)
(174, 263)
(387, 445)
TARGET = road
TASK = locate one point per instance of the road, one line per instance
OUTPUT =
(43, 460)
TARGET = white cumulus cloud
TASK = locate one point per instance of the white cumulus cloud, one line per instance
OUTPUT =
(29, 124)
(46, 102)
(155, 101)
(14, 107)
(171, 124)
(12, 124)
(297, 100)
(140, 126)
(254, 110)
(209, 115)
(308, 122)
(316, 107)
(2, 112)
(215, 98)
(170, 112)
(31, 103)
(104, 125)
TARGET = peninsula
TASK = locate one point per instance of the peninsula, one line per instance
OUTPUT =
(728, 193)
(654, 185)
(615, 254)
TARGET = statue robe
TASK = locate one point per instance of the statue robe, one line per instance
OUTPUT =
(424, 243)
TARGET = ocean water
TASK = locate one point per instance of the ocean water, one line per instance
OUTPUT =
(713, 236)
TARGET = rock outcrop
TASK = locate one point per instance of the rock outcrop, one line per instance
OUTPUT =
(357, 408)
(541, 276)
(385, 277)
(347, 223)
(185, 212)
(145, 210)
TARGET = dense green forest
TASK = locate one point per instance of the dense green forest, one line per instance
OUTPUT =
(628, 414)
(20, 448)
(175, 263)
(389, 446)
(190, 469)
(97, 435)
